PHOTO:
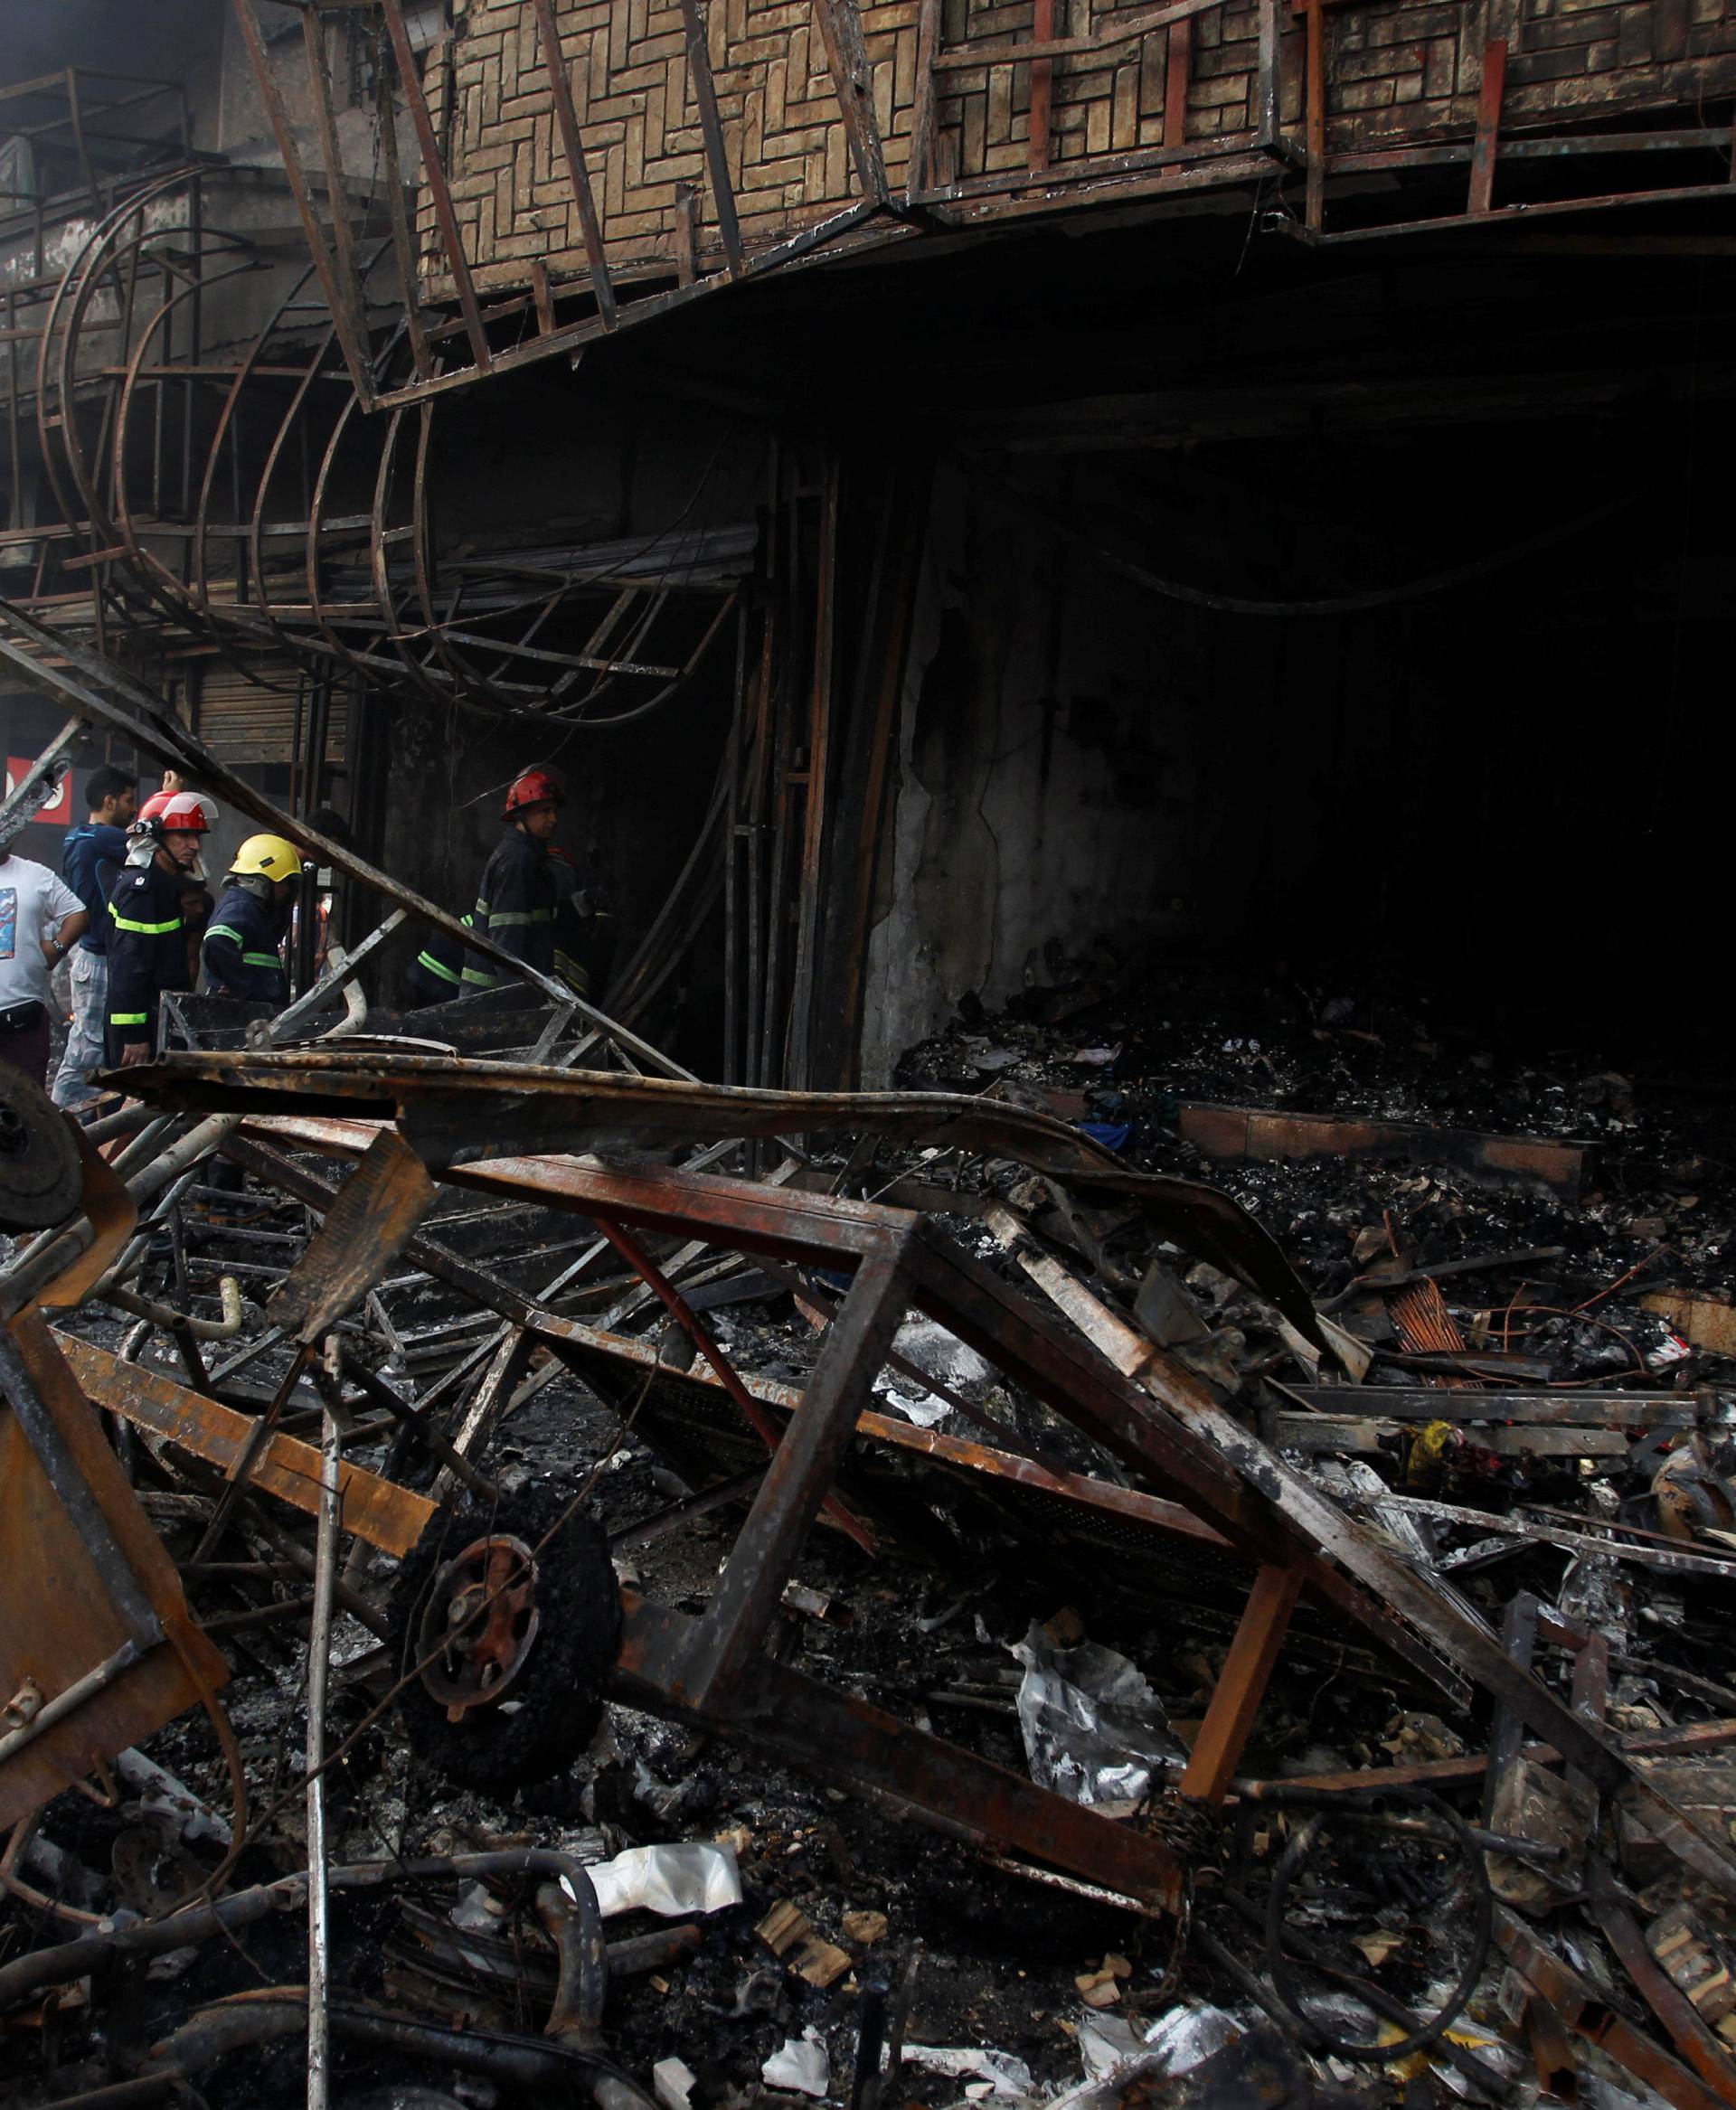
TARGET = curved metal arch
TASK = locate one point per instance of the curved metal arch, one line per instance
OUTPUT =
(256, 529)
(417, 652)
(151, 579)
(258, 624)
(315, 512)
(118, 214)
(420, 555)
(101, 257)
(470, 682)
(379, 570)
(326, 619)
(225, 417)
(71, 447)
(137, 555)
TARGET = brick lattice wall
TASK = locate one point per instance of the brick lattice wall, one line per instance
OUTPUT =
(1413, 70)
(1399, 71)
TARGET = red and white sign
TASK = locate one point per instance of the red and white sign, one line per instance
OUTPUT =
(58, 812)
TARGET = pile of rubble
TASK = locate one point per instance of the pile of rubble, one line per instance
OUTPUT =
(1206, 1678)
(1164, 1570)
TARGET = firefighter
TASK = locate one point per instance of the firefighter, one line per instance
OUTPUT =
(148, 933)
(518, 896)
(240, 949)
(197, 901)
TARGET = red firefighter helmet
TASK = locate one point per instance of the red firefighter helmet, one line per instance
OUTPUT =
(181, 813)
(534, 787)
(188, 810)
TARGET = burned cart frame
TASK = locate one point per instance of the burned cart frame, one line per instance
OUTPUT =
(1146, 1409)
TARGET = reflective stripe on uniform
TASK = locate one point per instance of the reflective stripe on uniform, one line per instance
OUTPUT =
(222, 930)
(129, 1018)
(144, 930)
(517, 916)
(433, 966)
(476, 975)
(262, 959)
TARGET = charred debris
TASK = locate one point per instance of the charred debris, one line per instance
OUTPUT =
(1184, 1556)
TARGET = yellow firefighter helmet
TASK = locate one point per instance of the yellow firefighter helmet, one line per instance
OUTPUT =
(269, 854)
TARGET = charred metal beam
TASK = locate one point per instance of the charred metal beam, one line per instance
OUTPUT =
(695, 15)
(439, 190)
(841, 32)
(572, 146)
(338, 291)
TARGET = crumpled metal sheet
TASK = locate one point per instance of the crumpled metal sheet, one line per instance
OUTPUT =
(445, 1107)
(1093, 1728)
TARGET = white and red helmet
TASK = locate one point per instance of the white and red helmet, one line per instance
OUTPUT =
(191, 810)
(178, 812)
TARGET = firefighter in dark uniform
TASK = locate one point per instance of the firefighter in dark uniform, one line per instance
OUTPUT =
(147, 934)
(247, 927)
(518, 896)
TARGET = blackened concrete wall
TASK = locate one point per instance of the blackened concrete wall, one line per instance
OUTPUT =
(1050, 789)
(1468, 737)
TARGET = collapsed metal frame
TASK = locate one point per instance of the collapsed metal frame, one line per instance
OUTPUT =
(450, 1124)
(807, 1720)
(1143, 1406)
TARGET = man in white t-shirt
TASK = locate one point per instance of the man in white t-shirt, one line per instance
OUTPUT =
(40, 919)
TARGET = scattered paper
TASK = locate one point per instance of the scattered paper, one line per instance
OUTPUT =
(667, 1880)
(800, 2064)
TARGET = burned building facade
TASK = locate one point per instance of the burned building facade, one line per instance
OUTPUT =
(1132, 602)
(956, 488)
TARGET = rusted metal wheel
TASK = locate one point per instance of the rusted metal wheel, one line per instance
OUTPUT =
(480, 1623)
(506, 1621)
(41, 1177)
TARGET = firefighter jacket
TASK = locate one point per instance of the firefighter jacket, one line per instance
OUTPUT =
(437, 975)
(515, 904)
(147, 950)
(241, 948)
